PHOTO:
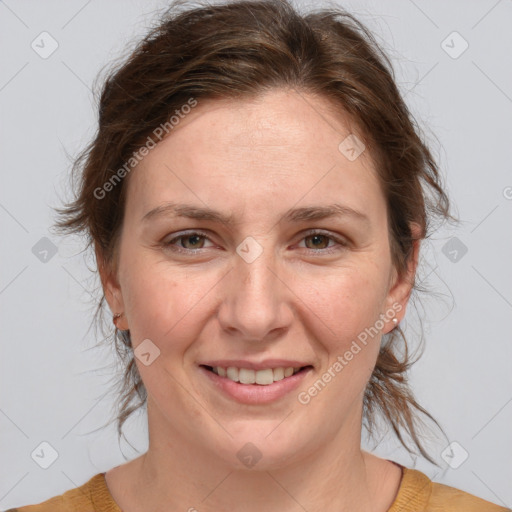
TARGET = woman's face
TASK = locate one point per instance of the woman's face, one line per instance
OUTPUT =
(252, 240)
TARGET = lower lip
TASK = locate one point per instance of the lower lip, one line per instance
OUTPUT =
(256, 393)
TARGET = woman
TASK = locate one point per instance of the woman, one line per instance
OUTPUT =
(256, 197)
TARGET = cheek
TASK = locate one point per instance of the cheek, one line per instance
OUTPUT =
(165, 303)
(341, 312)
(342, 315)
(343, 303)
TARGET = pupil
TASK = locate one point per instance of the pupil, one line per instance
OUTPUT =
(192, 240)
(318, 241)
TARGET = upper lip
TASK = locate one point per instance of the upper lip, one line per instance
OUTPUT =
(251, 365)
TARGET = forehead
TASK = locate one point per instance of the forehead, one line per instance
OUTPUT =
(278, 146)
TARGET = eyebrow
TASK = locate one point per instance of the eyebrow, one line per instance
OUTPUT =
(307, 213)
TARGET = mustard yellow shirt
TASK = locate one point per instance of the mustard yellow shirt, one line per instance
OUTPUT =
(417, 493)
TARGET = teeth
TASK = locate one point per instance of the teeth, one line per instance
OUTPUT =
(265, 377)
(231, 373)
(262, 377)
(247, 376)
(278, 374)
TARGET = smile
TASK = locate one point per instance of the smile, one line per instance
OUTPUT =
(249, 386)
(249, 376)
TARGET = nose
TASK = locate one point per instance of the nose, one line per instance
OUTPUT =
(256, 303)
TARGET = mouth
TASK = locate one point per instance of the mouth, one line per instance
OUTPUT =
(264, 377)
(250, 386)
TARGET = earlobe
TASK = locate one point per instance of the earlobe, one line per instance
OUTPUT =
(396, 303)
(400, 291)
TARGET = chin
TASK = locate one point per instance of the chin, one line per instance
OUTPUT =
(257, 451)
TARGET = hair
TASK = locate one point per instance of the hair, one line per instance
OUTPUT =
(238, 50)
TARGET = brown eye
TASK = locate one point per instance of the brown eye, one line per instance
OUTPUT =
(317, 241)
(192, 241)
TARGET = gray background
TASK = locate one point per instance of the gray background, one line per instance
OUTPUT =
(54, 386)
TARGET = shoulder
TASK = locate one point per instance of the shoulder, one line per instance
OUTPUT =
(90, 497)
(444, 497)
(417, 493)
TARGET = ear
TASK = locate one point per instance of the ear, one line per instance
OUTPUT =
(401, 285)
(111, 288)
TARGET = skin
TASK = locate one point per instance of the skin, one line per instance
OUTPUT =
(255, 159)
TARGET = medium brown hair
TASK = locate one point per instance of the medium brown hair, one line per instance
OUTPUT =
(240, 49)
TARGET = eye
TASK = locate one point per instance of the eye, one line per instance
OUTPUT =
(187, 242)
(317, 241)
(322, 242)
(194, 241)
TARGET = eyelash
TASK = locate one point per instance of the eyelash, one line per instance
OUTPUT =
(329, 250)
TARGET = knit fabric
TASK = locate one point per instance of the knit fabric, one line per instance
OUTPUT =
(417, 493)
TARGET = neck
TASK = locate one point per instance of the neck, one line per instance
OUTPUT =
(181, 475)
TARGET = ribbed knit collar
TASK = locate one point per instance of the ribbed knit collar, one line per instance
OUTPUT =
(413, 493)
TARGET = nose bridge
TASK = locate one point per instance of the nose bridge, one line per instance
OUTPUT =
(256, 303)
(255, 280)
